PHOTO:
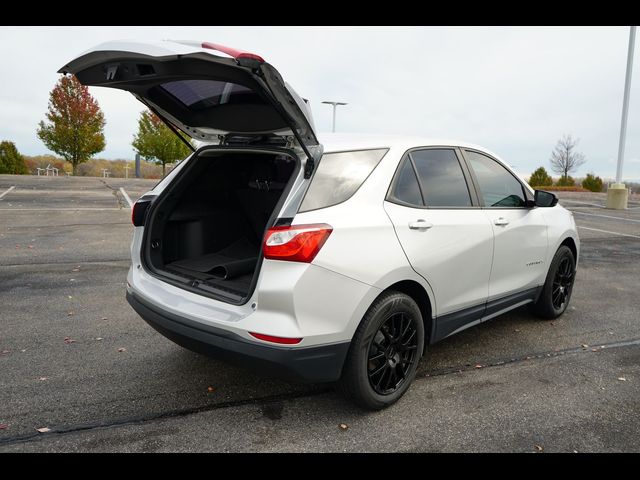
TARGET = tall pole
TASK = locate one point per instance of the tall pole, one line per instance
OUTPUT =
(335, 104)
(138, 165)
(333, 125)
(625, 104)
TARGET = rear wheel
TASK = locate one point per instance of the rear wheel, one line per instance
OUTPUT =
(557, 289)
(384, 353)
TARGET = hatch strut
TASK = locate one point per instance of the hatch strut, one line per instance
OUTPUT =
(170, 125)
(272, 80)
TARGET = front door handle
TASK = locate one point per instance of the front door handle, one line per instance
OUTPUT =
(501, 221)
(420, 225)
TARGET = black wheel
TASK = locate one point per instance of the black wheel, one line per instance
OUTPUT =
(558, 286)
(384, 352)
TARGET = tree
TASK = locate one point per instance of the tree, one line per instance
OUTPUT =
(564, 158)
(10, 159)
(540, 178)
(593, 183)
(75, 122)
(155, 142)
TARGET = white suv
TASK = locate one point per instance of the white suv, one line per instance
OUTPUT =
(321, 262)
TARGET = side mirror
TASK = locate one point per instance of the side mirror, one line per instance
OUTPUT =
(544, 199)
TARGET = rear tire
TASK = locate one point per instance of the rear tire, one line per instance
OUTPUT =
(557, 289)
(384, 353)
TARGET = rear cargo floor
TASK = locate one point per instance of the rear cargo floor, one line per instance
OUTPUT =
(231, 267)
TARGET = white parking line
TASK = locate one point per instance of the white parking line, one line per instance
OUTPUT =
(126, 197)
(4, 193)
(562, 201)
(612, 233)
(97, 209)
(608, 216)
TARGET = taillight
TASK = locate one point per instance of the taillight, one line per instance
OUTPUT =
(139, 212)
(295, 243)
(272, 339)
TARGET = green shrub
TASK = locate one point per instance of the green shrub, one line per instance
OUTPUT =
(567, 181)
(593, 183)
(540, 178)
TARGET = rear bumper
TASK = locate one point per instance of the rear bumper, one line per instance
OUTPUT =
(303, 364)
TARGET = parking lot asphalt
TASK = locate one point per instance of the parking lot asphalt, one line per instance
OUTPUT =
(76, 359)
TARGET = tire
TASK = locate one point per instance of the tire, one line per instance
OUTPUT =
(558, 286)
(382, 362)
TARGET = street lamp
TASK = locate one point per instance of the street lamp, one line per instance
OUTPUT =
(335, 104)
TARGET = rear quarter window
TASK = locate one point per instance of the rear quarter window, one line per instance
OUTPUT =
(338, 177)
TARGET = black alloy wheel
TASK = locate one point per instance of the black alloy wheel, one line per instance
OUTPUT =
(562, 283)
(392, 353)
(385, 351)
(558, 286)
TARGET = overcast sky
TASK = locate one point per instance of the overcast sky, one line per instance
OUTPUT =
(513, 90)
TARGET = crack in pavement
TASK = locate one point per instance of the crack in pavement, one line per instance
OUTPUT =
(318, 390)
(548, 354)
(138, 419)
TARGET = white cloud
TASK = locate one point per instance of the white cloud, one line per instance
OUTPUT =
(514, 90)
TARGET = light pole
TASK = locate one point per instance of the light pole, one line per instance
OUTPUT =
(617, 193)
(335, 104)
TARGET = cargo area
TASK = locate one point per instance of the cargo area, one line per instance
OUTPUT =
(206, 231)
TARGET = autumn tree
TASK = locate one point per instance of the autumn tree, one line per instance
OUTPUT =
(540, 178)
(75, 123)
(155, 142)
(565, 158)
(10, 159)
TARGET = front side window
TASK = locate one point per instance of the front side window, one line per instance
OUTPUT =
(338, 176)
(499, 188)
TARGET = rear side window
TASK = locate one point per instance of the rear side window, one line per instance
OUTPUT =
(440, 181)
(441, 178)
(338, 177)
(498, 186)
(407, 189)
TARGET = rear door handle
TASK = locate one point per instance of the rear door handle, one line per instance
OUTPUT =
(420, 225)
(501, 221)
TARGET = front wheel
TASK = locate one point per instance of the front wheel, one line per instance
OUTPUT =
(557, 289)
(384, 352)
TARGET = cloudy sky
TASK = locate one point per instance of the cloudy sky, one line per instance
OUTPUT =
(513, 90)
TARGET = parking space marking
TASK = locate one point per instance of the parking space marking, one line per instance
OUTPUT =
(608, 216)
(70, 209)
(126, 197)
(565, 200)
(612, 233)
(8, 190)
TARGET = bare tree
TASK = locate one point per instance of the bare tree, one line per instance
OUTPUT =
(565, 158)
